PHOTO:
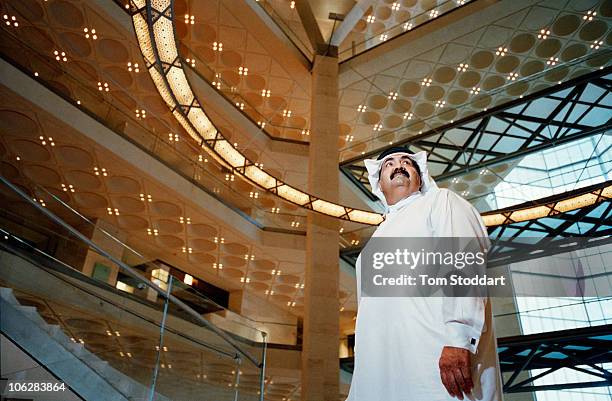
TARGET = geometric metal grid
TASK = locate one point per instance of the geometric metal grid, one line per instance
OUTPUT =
(575, 109)
(553, 212)
(554, 232)
(575, 349)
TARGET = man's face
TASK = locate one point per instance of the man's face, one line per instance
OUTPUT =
(398, 177)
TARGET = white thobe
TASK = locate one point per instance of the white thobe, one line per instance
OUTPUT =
(399, 340)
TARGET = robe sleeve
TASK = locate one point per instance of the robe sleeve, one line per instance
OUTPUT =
(464, 317)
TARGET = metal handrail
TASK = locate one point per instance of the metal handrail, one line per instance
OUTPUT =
(133, 273)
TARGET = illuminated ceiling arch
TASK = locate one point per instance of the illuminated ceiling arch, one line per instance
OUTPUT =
(154, 25)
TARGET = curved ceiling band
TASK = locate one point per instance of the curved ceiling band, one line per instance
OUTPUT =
(154, 25)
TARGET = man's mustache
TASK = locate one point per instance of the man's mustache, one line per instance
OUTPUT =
(399, 170)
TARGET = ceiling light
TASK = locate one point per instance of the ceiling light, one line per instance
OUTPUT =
(90, 33)
(407, 26)
(60, 56)
(513, 76)
(589, 15)
(543, 34)
(475, 90)
(501, 51)
(218, 46)
(189, 19)
(265, 92)
(188, 279)
(141, 113)
(370, 19)
(462, 67)
(191, 62)
(112, 211)
(154, 231)
(552, 61)
(10, 20)
(383, 37)
(67, 188)
(43, 141)
(286, 113)
(433, 13)
(377, 127)
(361, 108)
(243, 71)
(408, 116)
(133, 67)
(595, 45)
(100, 171)
(392, 95)
(147, 198)
(426, 82)
(103, 86)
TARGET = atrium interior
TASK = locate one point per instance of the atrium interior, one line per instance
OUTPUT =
(184, 197)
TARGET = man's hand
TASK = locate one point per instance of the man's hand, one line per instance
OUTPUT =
(456, 371)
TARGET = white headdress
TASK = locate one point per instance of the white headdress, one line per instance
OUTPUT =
(373, 166)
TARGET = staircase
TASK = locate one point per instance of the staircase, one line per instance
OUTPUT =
(89, 376)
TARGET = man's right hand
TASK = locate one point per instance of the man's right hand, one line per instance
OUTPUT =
(456, 371)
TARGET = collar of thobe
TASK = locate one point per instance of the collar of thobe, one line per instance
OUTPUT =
(428, 184)
(403, 203)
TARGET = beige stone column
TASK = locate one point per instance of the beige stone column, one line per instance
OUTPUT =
(320, 347)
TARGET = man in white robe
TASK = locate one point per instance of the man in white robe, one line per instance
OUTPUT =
(418, 348)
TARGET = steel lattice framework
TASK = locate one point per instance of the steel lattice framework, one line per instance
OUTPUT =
(548, 118)
(558, 232)
(581, 350)
(559, 220)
